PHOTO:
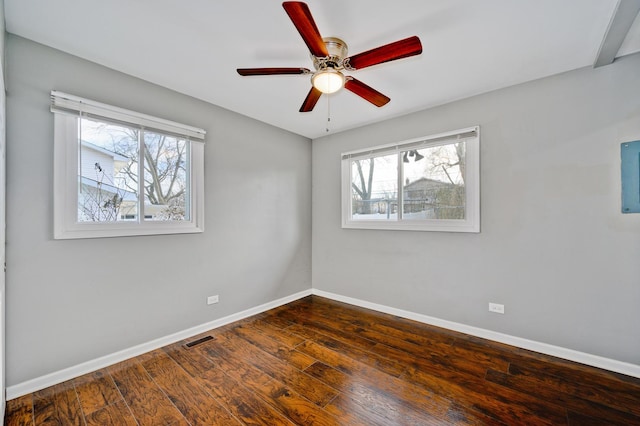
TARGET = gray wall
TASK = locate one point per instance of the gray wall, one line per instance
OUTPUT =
(554, 247)
(76, 300)
(2, 33)
(2, 210)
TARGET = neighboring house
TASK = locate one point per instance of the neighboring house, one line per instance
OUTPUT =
(101, 197)
(423, 199)
(434, 199)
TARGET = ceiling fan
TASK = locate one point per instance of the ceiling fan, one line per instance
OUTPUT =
(329, 57)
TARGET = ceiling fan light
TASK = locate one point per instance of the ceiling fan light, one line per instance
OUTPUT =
(328, 81)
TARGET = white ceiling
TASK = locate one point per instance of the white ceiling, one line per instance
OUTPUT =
(194, 47)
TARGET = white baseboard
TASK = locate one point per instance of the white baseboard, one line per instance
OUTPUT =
(54, 378)
(557, 351)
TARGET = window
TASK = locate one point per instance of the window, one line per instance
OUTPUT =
(425, 184)
(120, 173)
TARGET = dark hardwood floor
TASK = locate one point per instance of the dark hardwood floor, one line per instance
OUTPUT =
(319, 362)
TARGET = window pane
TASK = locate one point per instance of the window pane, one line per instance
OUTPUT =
(108, 164)
(434, 183)
(374, 188)
(166, 183)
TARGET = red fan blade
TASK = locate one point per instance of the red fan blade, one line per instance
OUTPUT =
(389, 52)
(311, 100)
(300, 15)
(367, 93)
(272, 71)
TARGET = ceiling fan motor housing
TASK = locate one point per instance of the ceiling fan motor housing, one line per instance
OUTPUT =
(337, 52)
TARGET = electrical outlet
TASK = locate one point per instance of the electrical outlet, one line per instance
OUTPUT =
(212, 299)
(496, 307)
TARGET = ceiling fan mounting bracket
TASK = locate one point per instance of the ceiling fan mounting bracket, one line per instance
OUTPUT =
(346, 65)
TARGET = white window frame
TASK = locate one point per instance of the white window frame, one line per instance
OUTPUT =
(471, 223)
(68, 109)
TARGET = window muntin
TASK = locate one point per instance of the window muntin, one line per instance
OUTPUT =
(114, 177)
(438, 177)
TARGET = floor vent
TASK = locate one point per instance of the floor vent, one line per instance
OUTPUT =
(197, 342)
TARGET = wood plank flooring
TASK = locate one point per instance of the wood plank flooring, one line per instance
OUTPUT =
(320, 362)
